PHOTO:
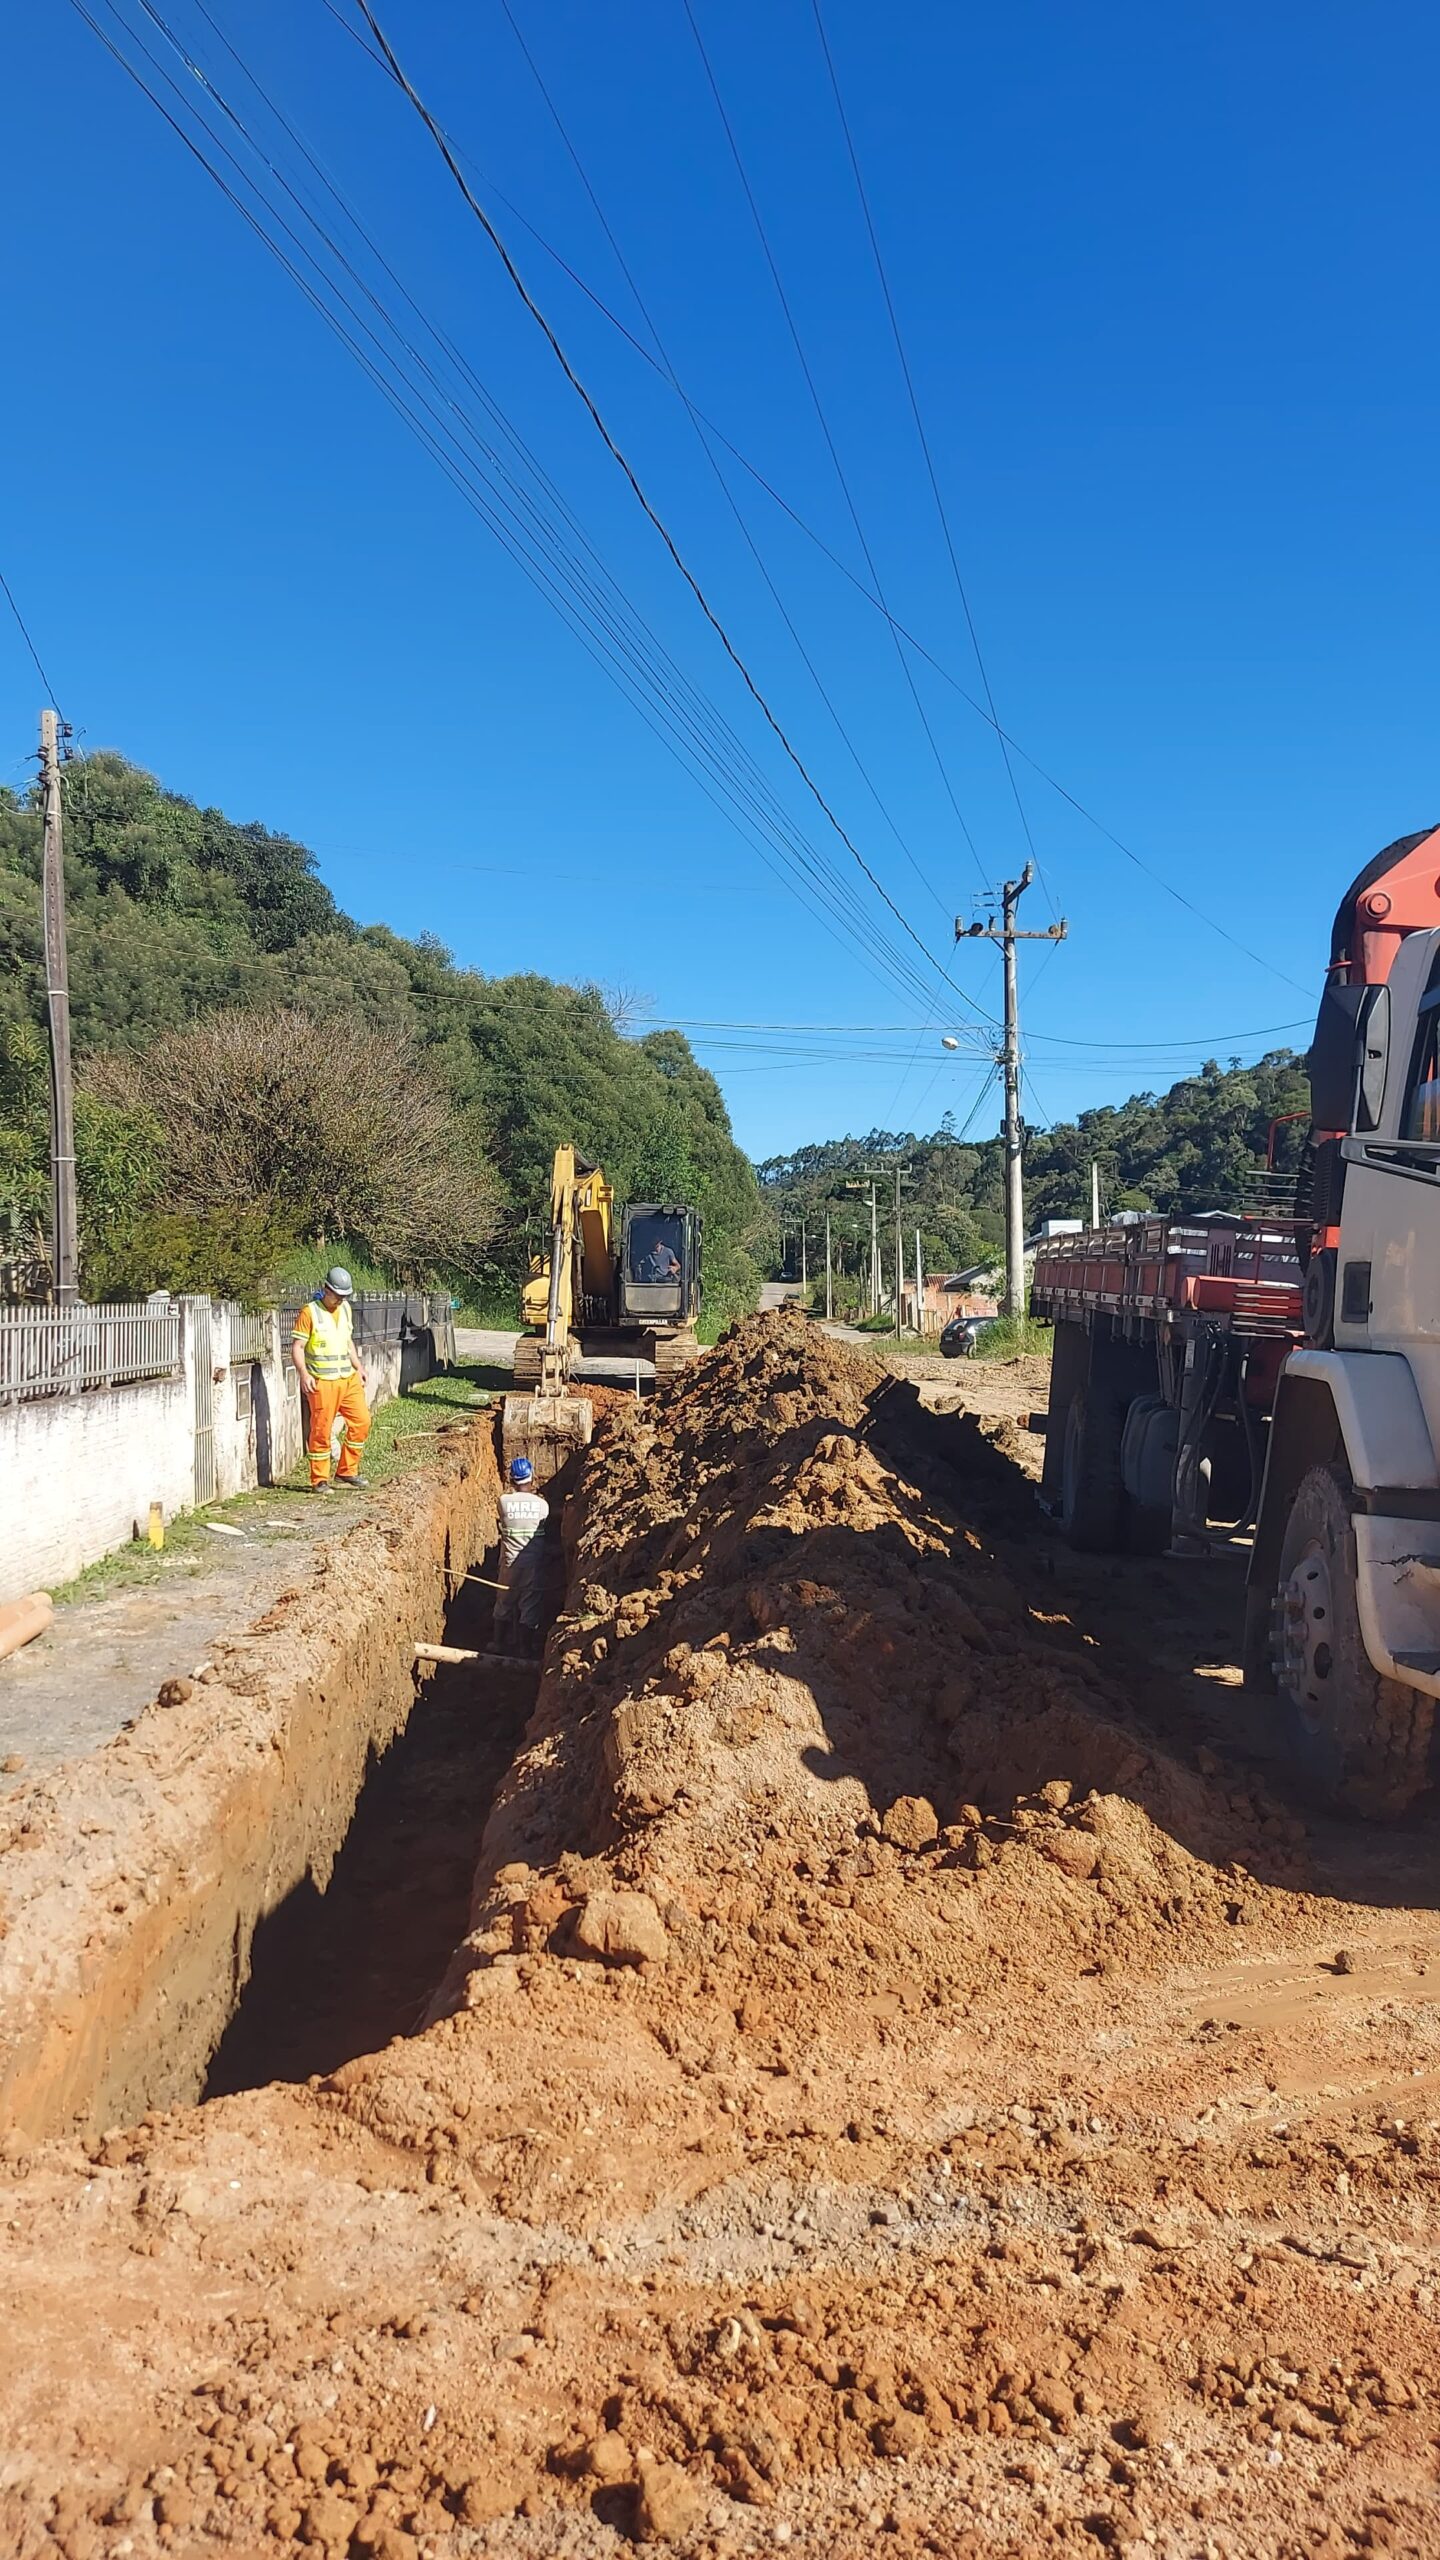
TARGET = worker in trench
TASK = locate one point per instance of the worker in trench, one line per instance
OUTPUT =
(328, 1366)
(523, 1514)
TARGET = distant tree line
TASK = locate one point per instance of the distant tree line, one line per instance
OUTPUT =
(1192, 1148)
(259, 1076)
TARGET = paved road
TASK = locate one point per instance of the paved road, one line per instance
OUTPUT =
(489, 1348)
(777, 1293)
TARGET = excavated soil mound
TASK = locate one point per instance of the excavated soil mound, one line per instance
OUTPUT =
(877, 2106)
(783, 1631)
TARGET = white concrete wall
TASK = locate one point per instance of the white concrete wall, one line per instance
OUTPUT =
(78, 1473)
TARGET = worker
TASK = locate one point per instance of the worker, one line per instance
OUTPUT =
(523, 1514)
(662, 1264)
(328, 1367)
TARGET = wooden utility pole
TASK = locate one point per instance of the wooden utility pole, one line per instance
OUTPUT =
(64, 1223)
(1007, 935)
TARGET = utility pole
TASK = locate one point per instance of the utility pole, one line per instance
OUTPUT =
(1094, 1192)
(874, 1257)
(829, 1276)
(804, 1266)
(873, 1172)
(64, 1224)
(1007, 935)
(919, 1287)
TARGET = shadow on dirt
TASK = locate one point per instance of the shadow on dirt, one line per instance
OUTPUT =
(339, 1973)
(1202, 1755)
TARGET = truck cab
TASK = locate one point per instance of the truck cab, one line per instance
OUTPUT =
(1343, 1612)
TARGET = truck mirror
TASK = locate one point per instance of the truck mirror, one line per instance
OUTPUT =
(1374, 1049)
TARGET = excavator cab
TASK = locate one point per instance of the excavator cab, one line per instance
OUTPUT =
(657, 1280)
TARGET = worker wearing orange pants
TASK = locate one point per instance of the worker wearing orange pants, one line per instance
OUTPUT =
(342, 1398)
(324, 1356)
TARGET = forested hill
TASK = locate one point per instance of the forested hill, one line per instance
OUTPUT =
(182, 922)
(1184, 1150)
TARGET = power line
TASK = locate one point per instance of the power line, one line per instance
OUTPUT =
(924, 441)
(703, 435)
(50, 694)
(876, 602)
(685, 742)
(832, 449)
(522, 289)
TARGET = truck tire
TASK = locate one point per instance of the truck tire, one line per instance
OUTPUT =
(1092, 1496)
(1358, 1739)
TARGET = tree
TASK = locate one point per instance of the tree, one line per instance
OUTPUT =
(176, 915)
(328, 1130)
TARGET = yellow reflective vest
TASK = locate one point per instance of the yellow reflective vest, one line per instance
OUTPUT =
(327, 1338)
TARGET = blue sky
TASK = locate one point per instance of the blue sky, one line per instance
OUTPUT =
(1164, 279)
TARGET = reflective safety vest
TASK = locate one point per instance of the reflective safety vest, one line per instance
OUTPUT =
(327, 1338)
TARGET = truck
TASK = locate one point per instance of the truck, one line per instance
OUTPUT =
(1274, 1372)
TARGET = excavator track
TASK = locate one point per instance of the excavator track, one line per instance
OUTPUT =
(671, 1353)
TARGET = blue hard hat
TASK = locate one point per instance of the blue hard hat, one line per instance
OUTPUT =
(521, 1471)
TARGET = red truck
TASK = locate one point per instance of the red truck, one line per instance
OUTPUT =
(1278, 1373)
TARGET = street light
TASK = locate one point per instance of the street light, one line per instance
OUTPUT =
(948, 1040)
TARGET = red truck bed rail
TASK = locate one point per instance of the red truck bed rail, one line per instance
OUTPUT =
(1241, 1273)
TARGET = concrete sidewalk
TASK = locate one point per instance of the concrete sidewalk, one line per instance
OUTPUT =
(103, 1657)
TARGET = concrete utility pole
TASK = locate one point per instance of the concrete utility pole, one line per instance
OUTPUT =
(874, 1257)
(1007, 935)
(804, 1264)
(64, 1223)
(829, 1276)
(899, 1262)
(1094, 1192)
(919, 1287)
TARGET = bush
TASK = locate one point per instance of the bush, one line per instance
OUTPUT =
(325, 1130)
(227, 1253)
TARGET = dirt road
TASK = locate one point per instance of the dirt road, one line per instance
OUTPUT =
(912, 2081)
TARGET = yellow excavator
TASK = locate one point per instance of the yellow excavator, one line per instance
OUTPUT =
(618, 1282)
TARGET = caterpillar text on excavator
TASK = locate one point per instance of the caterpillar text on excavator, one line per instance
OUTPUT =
(626, 1282)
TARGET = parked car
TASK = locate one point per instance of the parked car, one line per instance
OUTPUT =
(962, 1334)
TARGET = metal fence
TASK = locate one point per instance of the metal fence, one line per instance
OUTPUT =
(52, 1351)
(249, 1337)
(383, 1320)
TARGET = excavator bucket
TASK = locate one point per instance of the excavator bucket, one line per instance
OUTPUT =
(546, 1429)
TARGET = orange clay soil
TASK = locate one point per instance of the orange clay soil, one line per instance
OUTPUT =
(900, 2091)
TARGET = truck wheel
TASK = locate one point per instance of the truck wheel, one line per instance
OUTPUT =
(1092, 1494)
(1361, 1740)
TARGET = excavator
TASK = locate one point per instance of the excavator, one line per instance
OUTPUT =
(626, 1281)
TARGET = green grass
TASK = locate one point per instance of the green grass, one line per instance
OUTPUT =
(396, 1426)
(187, 1546)
(1015, 1338)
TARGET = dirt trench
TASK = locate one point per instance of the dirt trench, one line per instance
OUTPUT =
(912, 2080)
(141, 1884)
